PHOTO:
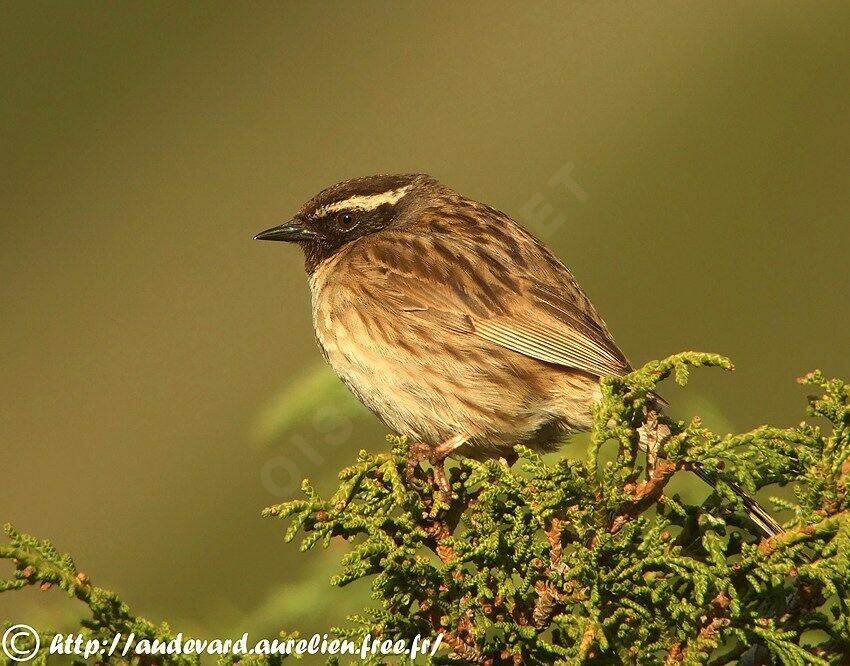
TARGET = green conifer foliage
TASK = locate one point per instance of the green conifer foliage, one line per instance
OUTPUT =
(579, 562)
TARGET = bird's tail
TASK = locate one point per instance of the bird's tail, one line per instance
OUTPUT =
(653, 435)
(756, 512)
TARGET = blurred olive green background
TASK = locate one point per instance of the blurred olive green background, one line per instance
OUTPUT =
(159, 382)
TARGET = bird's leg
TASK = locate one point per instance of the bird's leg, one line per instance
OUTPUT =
(436, 456)
(448, 447)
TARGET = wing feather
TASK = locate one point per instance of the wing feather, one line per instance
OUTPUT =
(560, 345)
(462, 287)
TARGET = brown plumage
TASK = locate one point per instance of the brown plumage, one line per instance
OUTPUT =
(450, 321)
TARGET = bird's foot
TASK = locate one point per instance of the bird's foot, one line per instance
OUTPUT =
(416, 454)
(436, 456)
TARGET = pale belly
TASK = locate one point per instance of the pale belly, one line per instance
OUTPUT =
(401, 370)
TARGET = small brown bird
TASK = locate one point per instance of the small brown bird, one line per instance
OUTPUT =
(450, 321)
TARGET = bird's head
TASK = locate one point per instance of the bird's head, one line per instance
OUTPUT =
(350, 210)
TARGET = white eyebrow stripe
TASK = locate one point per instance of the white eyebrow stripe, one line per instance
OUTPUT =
(362, 202)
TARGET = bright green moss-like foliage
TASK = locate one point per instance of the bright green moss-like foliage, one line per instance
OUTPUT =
(578, 562)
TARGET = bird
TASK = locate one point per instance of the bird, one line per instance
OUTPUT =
(451, 322)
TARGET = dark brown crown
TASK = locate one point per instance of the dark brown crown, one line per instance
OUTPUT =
(360, 187)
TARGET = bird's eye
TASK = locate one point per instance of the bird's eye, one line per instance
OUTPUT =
(347, 220)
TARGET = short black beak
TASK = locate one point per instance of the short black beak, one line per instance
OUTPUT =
(293, 231)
